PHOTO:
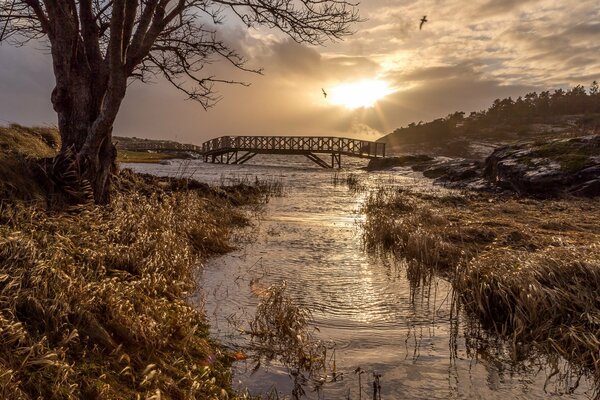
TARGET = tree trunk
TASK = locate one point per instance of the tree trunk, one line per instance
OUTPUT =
(86, 132)
(97, 163)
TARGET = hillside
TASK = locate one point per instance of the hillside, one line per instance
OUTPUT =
(138, 150)
(542, 115)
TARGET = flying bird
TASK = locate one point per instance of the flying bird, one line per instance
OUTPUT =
(324, 92)
(423, 20)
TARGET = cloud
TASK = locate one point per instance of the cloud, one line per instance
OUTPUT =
(495, 7)
(434, 73)
(463, 59)
(26, 82)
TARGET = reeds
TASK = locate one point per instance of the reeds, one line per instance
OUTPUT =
(396, 222)
(280, 331)
(351, 180)
(548, 297)
(93, 302)
(529, 270)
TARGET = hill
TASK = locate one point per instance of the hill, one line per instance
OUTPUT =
(138, 150)
(532, 116)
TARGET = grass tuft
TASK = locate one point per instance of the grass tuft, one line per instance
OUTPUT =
(525, 278)
(93, 304)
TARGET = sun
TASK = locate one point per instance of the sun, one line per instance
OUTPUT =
(361, 94)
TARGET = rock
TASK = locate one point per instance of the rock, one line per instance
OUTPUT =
(587, 189)
(565, 166)
(454, 170)
(542, 169)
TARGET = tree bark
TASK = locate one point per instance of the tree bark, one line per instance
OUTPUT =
(81, 117)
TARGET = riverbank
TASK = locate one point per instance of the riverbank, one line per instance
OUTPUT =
(128, 156)
(94, 300)
(528, 269)
(542, 168)
(136, 150)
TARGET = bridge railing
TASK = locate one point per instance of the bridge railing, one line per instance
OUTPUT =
(295, 143)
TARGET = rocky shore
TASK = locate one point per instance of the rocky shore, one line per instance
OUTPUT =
(566, 166)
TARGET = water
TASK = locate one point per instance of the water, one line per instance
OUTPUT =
(361, 304)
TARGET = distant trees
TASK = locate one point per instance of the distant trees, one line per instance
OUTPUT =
(506, 113)
(99, 46)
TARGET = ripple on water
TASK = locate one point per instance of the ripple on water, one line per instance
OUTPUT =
(311, 239)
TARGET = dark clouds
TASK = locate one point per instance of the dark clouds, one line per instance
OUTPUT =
(464, 58)
(26, 82)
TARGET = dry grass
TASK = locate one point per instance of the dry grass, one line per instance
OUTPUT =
(20, 174)
(547, 297)
(529, 269)
(351, 180)
(36, 142)
(93, 300)
(280, 331)
(93, 303)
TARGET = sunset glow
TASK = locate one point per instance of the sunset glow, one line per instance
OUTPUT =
(362, 94)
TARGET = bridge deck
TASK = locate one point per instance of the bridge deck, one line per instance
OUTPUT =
(225, 149)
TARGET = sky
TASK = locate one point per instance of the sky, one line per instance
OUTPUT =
(467, 54)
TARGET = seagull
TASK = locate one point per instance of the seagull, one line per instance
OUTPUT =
(324, 92)
(423, 20)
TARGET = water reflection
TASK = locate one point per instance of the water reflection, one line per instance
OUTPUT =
(415, 338)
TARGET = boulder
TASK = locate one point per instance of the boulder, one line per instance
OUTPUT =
(547, 169)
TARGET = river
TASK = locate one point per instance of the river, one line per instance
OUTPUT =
(409, 340)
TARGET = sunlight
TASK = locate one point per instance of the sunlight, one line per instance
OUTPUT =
(362, 94)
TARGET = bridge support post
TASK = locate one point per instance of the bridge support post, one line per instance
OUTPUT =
(230, 156)
(336, 160)
(244, 158)
(317, 160)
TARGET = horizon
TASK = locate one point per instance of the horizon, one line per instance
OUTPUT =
(461, 60)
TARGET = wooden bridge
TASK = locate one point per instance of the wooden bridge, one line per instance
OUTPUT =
(227, 149)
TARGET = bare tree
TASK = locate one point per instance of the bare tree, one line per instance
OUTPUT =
(99, 46)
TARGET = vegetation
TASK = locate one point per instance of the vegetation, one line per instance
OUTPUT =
(128, 156)
(22, 151)
(570, 157)
(351, 180)
(93, 299)
(281, 331)
(93, 303)
(508, 118)
(528, 269)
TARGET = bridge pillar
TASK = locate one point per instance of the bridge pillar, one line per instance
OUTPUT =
(336, 160)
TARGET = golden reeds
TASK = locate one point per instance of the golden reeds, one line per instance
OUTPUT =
(280, 331)
(93, 302)
(529, 270)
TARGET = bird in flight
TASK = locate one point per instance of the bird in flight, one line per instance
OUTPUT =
(423, 20)
(324, 92)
